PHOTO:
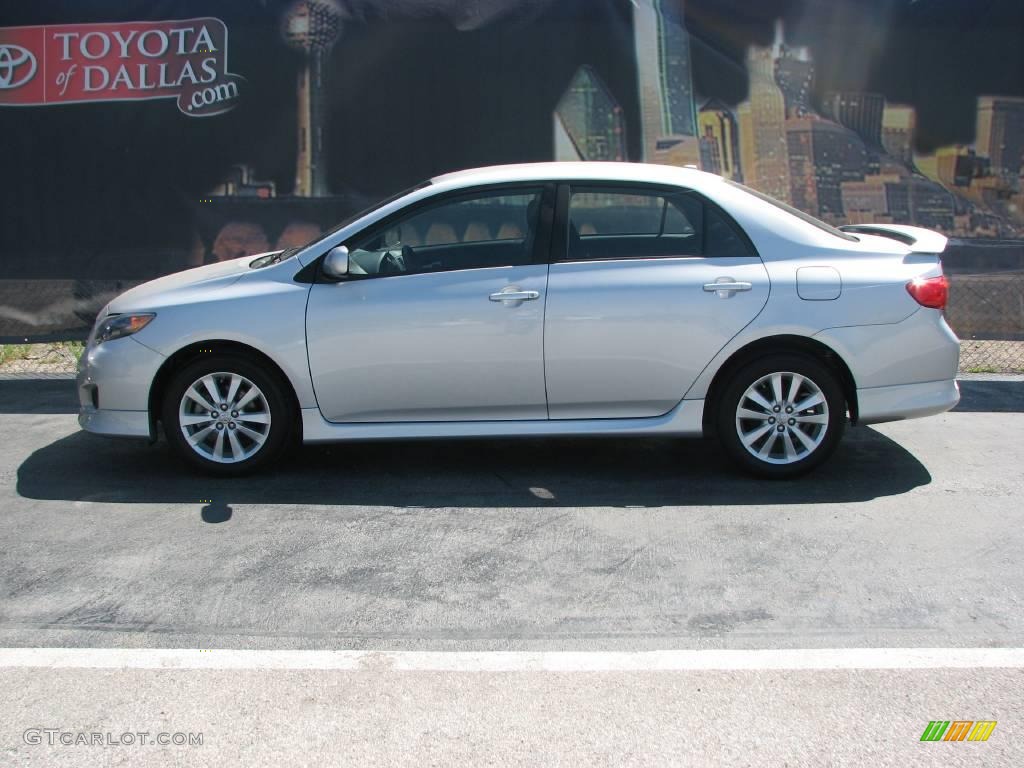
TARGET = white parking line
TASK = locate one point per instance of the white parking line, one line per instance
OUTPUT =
(514, 661)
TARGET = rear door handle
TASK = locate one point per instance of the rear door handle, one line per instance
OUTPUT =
(512, 293)
(726, 287)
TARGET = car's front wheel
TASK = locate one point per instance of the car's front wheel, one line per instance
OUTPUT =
(225, 415)
(781, 416)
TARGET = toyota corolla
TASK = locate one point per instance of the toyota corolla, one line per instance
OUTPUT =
(607, 299)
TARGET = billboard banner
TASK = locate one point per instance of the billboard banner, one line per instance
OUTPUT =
(184, 60)
(145, 137)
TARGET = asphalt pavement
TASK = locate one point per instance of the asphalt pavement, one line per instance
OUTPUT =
(910, 537)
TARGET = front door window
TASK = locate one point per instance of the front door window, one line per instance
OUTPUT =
(490, 229)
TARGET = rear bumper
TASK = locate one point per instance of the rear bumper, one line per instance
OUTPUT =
(906, 401)
(920, 349)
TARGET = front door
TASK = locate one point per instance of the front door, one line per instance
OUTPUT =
(442, 318)
(632, 313)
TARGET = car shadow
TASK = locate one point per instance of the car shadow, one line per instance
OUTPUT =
(561, 472)
(643, 472)
(1000, 396)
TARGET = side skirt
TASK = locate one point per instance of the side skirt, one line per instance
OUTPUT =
(685, 420)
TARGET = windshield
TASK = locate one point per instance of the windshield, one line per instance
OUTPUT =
(274, 258)
(356, 216)
(794, 211)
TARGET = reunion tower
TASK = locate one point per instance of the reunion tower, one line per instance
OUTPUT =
(311, 26)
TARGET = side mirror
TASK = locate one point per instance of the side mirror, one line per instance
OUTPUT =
(335, 263)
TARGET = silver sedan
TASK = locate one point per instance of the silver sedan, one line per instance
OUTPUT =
(606, 299)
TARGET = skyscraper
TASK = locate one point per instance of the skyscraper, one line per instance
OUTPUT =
(311, 26)
(719, 140)
(931, 206)
(859, 111)
(664, 80)
(762, 122)
(957, 165)
(901, 199)
(794, 72)
(898, 124)
(823, 155)
(1000, 135)
(877, 200)
(589, 123)
(800, 149)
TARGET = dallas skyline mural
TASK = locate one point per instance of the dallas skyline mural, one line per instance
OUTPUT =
(303, 112)
(850, 160)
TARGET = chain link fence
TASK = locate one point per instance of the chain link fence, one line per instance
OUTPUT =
(987, 313)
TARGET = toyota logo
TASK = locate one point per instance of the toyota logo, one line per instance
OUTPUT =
(12, 59)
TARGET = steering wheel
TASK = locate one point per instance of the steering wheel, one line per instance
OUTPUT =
(408, 259)
(390, 264)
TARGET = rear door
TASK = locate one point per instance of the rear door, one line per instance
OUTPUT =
(646, 285)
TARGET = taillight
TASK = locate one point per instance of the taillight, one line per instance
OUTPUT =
(930, 291)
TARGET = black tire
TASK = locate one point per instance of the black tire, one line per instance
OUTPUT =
(729, 424)
(276, 435)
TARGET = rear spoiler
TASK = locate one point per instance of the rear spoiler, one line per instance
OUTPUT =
(918, 239)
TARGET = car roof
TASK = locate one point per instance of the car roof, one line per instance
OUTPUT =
(763, 222)
(586, 171)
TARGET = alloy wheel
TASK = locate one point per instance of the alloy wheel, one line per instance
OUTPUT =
(782, 418)
(224, 417)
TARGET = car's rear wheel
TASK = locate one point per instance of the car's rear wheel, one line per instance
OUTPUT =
(781, 416)
(225, 415)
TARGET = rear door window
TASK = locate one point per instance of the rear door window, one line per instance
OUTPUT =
(626, 223)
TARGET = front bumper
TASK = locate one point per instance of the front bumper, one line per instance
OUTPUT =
(906, 401)
(115, 423)
(113, 381)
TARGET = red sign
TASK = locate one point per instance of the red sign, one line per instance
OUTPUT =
(126, 61)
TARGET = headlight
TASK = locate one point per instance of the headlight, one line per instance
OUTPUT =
(116, 326)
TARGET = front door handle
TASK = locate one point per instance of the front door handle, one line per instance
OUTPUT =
(512, 294)
(725, 287)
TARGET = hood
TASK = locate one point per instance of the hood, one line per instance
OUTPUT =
(171, 289)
